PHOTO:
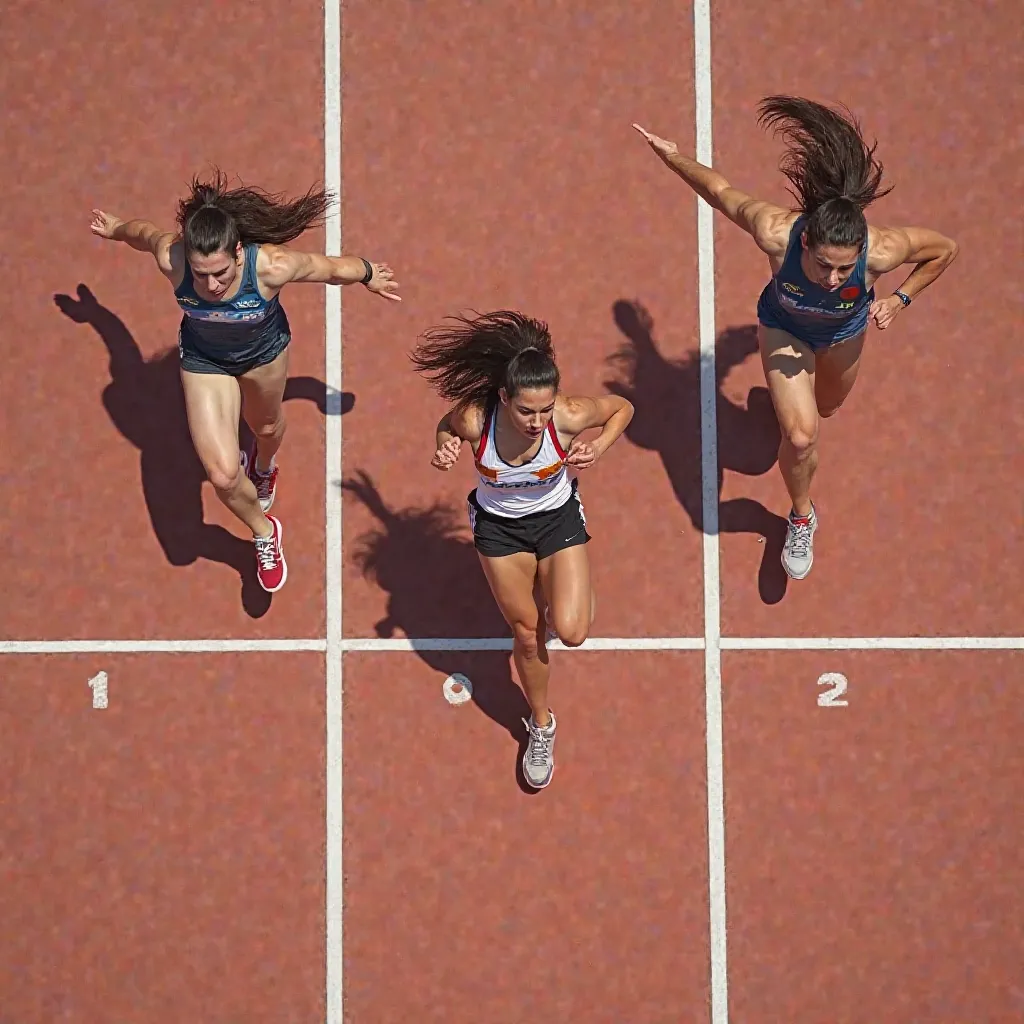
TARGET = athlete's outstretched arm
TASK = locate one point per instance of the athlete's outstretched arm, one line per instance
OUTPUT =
(577, 414)
(765, 222)
(289, 266)
(893, 247)
(141, 235)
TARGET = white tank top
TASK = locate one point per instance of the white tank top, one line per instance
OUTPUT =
(538, 485)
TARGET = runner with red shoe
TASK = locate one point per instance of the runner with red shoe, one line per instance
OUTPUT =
(228, 261)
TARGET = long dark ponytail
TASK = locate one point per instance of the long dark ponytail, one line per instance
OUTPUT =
(833, 170)
(470, 359)
(214, 218)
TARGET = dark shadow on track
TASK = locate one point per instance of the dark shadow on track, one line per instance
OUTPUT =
(145, 402)
(424, 560)
(666, 396)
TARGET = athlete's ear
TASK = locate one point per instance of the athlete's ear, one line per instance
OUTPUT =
(503, 395)
(238, 250)
(803, 238)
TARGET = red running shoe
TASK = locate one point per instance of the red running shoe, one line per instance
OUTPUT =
(271, 567)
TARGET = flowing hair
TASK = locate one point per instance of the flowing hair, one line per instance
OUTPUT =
(214, 218)
(468, 361)
(832, 169)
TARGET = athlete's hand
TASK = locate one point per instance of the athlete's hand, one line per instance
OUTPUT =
(104, 224)
(383, 282)
(581, 455)
(447, 455)
(883, 311)
(662, 147)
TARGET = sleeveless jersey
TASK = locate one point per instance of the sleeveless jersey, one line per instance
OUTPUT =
(539, 485)
(809, 312)
(242, 322)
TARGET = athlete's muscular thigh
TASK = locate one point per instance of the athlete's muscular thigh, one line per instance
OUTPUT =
(789, 368)
(511, 579)
(263, 392)
(212, 403)
(565, 578)
(837, 368)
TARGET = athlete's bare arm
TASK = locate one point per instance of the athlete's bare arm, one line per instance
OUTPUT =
(765, 222)
(889, 248)
(573, 415)
(141, 235)
(280, 265)
(463, 423)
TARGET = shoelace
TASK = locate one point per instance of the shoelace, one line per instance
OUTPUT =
(799, 538)
(262, 485)
(540, 745)
(265, 551)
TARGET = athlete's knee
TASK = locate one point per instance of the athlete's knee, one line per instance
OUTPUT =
(802, 437)
(268, 429)
(573, 633)
(224, 476)
(572, 625)
(526, 638)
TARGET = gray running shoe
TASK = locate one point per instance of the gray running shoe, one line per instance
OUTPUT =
(539, 759)
(798, 551)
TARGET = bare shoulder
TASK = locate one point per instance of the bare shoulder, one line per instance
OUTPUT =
(767, 223)
(467, 422)
(575, 413)
(890, 247)
(276, 265)
(170, 258)
(771, 227)
(572, 410)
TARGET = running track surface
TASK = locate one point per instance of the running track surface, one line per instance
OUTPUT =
(181, 854)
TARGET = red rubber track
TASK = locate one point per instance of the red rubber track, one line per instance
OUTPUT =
(918, 488)
(116, 532)
(162, 860)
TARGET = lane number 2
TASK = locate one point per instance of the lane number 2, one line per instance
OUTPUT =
(831, 697)
(98, 685)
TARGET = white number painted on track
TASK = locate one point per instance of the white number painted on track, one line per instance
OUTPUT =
(98, 685)
(830, 698)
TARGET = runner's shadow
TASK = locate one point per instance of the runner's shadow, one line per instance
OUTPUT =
(424, 560)
(666, 396)
(144, 400)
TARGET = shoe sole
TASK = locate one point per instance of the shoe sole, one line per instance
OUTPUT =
(798, 576)
(538, 785)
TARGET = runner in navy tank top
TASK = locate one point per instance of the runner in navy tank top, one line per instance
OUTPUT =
(814, 312)
(228, 262)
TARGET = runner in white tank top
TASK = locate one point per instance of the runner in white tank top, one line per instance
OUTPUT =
(539, 484)
(527, 519)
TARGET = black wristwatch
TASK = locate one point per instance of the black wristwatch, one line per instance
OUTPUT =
(903, 297)
(369, 272)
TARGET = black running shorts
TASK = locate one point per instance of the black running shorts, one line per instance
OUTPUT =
(198, 358)
(542, 533)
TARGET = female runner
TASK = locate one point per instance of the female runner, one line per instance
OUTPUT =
(525, 512)
(228, 262)
(824, 258)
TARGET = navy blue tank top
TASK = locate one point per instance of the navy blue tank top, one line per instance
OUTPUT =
(809, 312)
(240, 322)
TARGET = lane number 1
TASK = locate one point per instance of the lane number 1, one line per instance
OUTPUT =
(830, 698)
(98, 685)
